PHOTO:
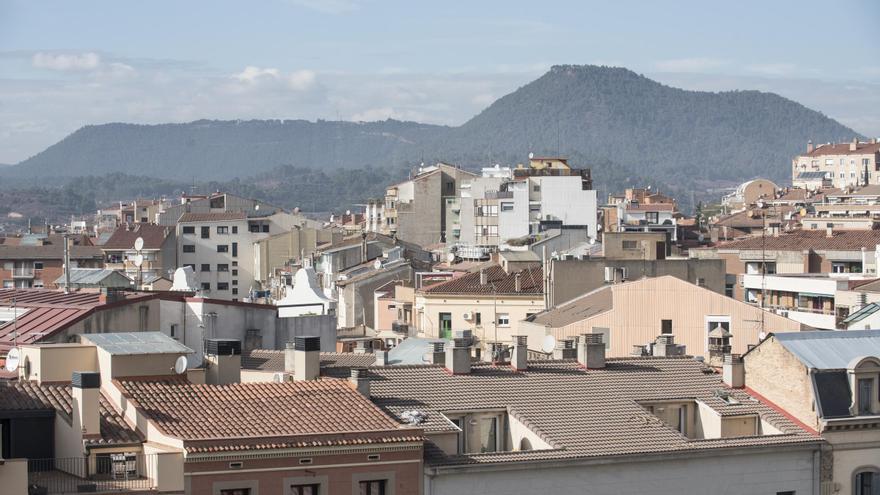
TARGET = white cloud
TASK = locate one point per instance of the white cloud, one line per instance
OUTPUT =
(696, 64)
(301, 80)
(780, 69)
(66, 61)
(334, 7)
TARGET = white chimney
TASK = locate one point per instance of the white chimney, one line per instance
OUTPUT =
(733, 371)
(85, 405)
(458, 357)
(854, 145)
(484, 279)
(810, 147)
(307, 363)
(382, 358)
(517, 283)
(520, 355)
(360, 381)
(223, 359)
(289, 357)
(565, 349)
(591, 352)
(829, 230)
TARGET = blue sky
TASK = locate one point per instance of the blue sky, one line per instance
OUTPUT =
(66, 64)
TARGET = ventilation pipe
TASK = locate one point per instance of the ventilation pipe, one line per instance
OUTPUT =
(591, 353)
(520, 355)
(517, 283)
(458, 357)
(307, 363)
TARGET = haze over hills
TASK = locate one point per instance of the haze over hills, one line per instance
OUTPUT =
(623, 125)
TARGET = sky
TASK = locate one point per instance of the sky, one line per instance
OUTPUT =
(66, 64)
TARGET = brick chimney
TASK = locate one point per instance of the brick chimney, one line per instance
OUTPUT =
(591, 351)
(458, 357)
(85, 406)
(307, 360)
(733, 371)
(223, 359)
(520, 355)
(810, 146)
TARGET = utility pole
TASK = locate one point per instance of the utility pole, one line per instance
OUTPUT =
(66, 263)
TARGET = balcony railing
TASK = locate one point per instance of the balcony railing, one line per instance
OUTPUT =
(115, 473)
(22, 272)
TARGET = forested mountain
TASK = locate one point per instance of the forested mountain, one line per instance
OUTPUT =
(626, 127)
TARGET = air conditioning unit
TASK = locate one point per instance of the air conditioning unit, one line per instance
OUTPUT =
(468, 315)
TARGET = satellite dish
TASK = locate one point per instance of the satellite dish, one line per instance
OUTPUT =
(450, 257)
(138, 260)
(180, 365)
(377, 264)
(12, 359)
(138, 243)
(531, 155)
(548, 344)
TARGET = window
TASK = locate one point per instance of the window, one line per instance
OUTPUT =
(630, 244)
(222, 267)
(304, 489)
(665, 326)
(234, 281)
(536, 188)
(445, 320)
(866, 397)
(189, 229)
(234, 246)
(206, 285)
(38, 284)
(652, 217)
(266, 228)
(235, 229)
(234, 291)
(234, 251)
(867, 482)
(38, 265)
(459, 422)
(728, 290)
(235, 272)
(206, 267)
(478, 318)
(222, 285)
(372, 487)
(206, 232)
(489, 434)
(173, 330)
(506, 206)
(503, 319)
(222, 248)
(254, 228)
(191, 265)
(189, 248)
(222, 229)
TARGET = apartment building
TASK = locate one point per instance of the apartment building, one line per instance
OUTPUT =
(828, 381)
(219, 202)
(220, 248)
(38, 260)
(633, 314)
(591, 425)
(415, 209)
(838, 165)
(278, 254)
(158, 253)
(507, 204)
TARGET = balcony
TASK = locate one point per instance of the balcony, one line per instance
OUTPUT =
(22, 272)
(113, 473)
(499, 194)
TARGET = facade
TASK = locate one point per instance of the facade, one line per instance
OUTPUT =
(748, 193)
(159, 251)
(841, 164)
(829, 382)
(215, 203)
(647, 217)
(280, 253)
(37, 261)
(635, 313)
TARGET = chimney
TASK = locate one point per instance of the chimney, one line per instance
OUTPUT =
(591, 352)
(873, 140)
(84, 408)
(289, 357)
(517, 284)
(458, 357)
(520, 355)
(307, 363)
(665, 346)
(854, 145)
(565, 349)
(382, 358)
(360, 381)
(810, 146)
(829, 230)
(363, 347)
(733, 372)
(484, 279)
(438, 355)
(223, 359)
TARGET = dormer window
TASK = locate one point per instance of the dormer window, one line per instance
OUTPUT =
(866, 396)
(864, 376)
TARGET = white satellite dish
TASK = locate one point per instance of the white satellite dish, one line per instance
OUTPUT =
(12, 359)
(180, 365)
(548, 344)
(377, 264)
(138, 260)
(138, 243)
(531, 155)
(451, 257)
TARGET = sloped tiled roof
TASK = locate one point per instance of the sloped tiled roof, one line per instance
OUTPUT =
(52, 249)
(211, 217)
(28, 396)
(531, 282)
(580, 413)
(863, 148)
(253, 414)
(123, 238)
(817, 240)
(333, 364)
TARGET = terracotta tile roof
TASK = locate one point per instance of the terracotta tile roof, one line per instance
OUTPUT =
(531, 282)
(650, 207)
(260, 415)
(51, 311)
(333, 364)
(578, 309)
(862, 148)
(817, 240)
(153, 235)
(211, 217)
(27, 396)
(52, 249)
(580, 413)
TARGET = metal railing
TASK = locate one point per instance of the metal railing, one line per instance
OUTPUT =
(22, 272)
(100, 473)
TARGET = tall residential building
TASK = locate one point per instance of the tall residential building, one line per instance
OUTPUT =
(415, 210)
(507, 204)
(837, 165)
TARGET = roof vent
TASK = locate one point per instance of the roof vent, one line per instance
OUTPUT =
(591, 352)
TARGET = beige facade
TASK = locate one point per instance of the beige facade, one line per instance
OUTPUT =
(278, 251)
(634, 245)
(490, 318)
(633, 313)
(843, 164)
